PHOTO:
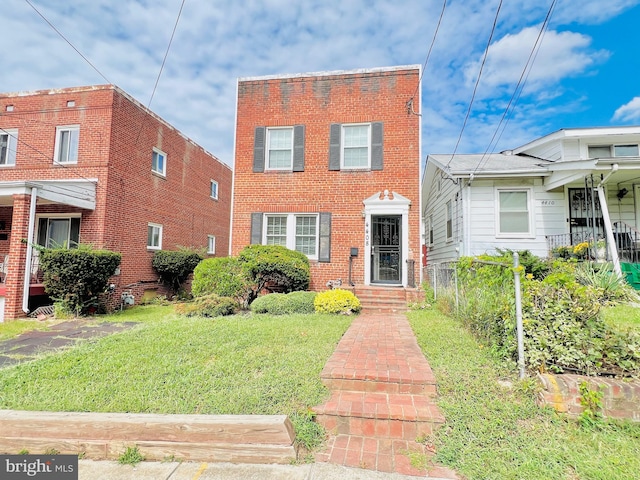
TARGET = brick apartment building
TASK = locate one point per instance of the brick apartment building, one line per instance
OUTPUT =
(92, 165)
(328, 164)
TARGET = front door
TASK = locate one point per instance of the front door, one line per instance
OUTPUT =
(585, 215)
(386, 252)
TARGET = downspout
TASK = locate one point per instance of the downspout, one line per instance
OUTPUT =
(613, 251)
(27, 263)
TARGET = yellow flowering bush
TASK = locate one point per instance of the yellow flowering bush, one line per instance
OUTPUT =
(337, 301)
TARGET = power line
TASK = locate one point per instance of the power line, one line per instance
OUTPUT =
(433, 41)
(66, 40)
(519, 87)
(475, 88)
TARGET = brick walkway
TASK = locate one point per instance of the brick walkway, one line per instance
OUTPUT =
(382, 392)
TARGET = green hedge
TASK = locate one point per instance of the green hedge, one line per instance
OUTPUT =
(285, 303)
(210, 305)
(337, 301)
(76, 278)
(174, 267)
(223, 276)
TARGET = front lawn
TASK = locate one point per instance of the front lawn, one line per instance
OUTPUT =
(622, 316)
(253, 364)
(494, 431)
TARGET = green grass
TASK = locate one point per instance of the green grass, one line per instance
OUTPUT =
(254, 364)
(13, 328)
(495, 432)
(622, 316)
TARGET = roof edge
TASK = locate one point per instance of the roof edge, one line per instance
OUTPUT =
(327, 73)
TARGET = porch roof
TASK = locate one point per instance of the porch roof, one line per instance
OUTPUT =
(76, 193)
(491, 164)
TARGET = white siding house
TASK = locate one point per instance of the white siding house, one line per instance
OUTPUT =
(538, 196)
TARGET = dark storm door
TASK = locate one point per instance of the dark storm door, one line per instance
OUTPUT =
(585, 215)
(386, 250)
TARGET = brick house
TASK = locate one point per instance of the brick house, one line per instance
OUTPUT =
(92, 165)
(328, 164)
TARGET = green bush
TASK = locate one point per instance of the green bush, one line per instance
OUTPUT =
(174, 267)
(210, 305)
(285, 303)
(223, 276)
(563, 327)
(76, 278)
(337, 301)
(274, 266)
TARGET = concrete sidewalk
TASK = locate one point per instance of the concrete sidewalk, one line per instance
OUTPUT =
(111, 470)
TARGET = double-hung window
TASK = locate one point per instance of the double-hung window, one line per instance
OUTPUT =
(8, 145)
(295, 231)
(211, 244)
(355, 146)
(66, 148)
(280, 148)
(514, 217)
(449, 217)
(214, 189)
(159, 162)
(154, 236)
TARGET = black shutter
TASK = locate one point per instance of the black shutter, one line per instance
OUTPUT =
(298, 148)
(258, 149)
(324, 250)
(334, 146)
(376, 146)
(256, 228)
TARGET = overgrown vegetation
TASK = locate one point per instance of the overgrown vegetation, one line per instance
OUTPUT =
(76, 278)
(210, 306)
(495, 430)
(239, 365)
(174, 267)
(257, 267)
(564, 329)
(285, 303)
(131, 456)
(338, 301)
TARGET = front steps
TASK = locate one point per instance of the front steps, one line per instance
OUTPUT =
(385, 299)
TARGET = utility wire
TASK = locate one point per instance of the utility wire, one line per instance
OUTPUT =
(433, 41)
(475, 88)
(65, 39)
(519, 88)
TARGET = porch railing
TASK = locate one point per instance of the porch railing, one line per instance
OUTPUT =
(626, 237)
(35, 276)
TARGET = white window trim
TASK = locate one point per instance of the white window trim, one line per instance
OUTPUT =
(268, 149)
(342, 146)
(613, 149)
(430, 232)
(213, 182)
(163, 173)
(291, 229)
(36, 230)
(211, 244)
(530, 205)
(56, 151)
(159, 227)
(12, 143)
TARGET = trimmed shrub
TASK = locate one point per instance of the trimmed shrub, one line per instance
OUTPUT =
(337, 301)
(76, 278)
(274, 266)
(210, 305)
(285, 303)
(223, 276)
(174, 267)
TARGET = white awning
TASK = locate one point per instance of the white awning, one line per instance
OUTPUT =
(75, 193)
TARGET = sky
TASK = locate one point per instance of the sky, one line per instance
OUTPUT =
(584, 73)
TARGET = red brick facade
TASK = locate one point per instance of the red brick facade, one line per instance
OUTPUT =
(116, 138)
(318, 103)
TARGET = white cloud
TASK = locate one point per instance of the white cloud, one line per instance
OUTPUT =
(630, 112)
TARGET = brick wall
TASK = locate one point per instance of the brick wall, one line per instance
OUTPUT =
(317, 101)
(621, 397)
(116, 139)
